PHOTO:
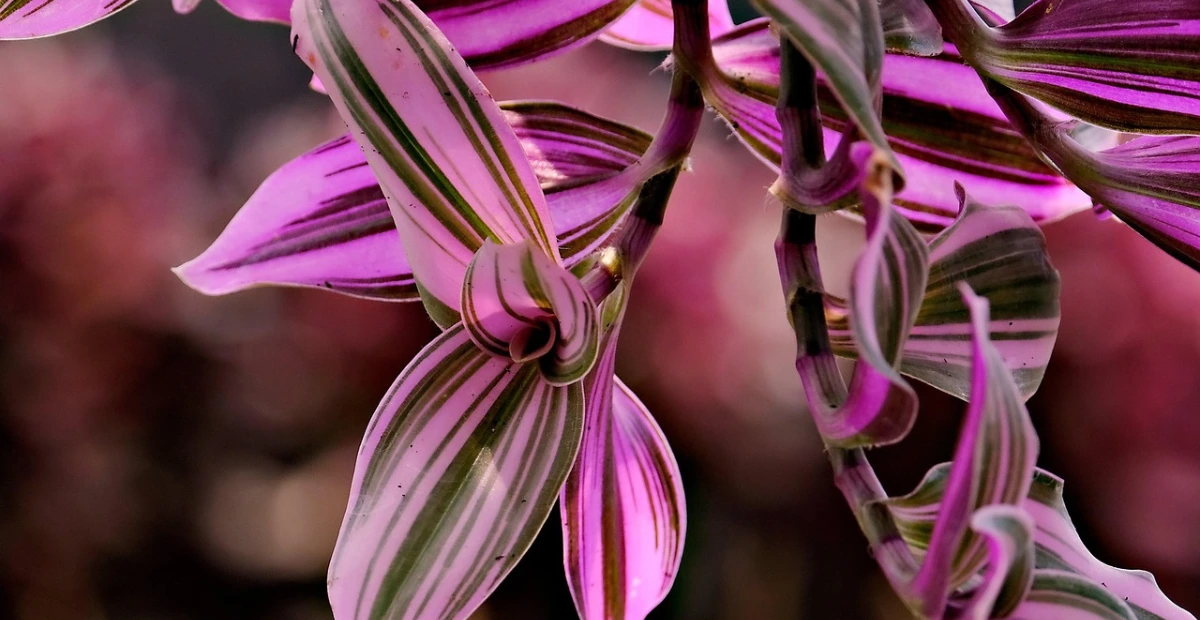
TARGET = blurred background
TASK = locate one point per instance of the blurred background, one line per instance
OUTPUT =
(165, 455)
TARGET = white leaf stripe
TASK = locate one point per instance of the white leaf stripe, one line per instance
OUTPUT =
(459, 469)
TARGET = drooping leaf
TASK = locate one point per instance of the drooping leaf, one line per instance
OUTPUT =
(623, 512)
(28, 19)
(649, 25)
(1130, 66)
(321, 220)
(910, 27)
(1001, 253)
(940, 135)
(1149, 182)
(993, 464)
(458, 471)
(1008, 531)
(518, 303)
(452, 170)
(885, 294)
(843, 39)
(1153, 184)
(1066, 596)
(1057, 546)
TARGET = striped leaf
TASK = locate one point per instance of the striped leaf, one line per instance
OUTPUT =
(940, 135)
(1059, 595)
(1130, 66)
(1008, 531)
(649, 25)
(993, 464)
(322, 221)
(1001, 253)
(452, 170)
(518, 303)
(458, 471)
(623, 512)
(1057, 546)
(843, 39)
(910, 27)
(28, 19)
(885, 294)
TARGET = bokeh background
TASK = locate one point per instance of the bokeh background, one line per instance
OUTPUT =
(165, 455)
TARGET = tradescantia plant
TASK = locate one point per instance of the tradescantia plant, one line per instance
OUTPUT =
(520, 226)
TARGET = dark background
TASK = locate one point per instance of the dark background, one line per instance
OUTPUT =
(169, 455)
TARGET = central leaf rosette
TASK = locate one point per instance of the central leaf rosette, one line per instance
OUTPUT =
(519, 303)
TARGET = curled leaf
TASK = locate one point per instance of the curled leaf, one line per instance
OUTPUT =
(1001, 253)
(518, 303)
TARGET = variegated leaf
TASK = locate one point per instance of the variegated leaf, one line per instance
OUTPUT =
(28, 19)
(940, 136)
(910, 27)
(452, 170)
(843, 39)
(1008, 531)
(1067, 596)
(623, 512)
(885, 294)
(993, 464)
(321, 220)
(518, 303)
(1057, 546)
(1149, 182)
(1001, 253)
(458, 471)
(649, 25)
(1130, 66)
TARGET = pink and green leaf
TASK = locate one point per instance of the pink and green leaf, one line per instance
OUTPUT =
(1001, 253)
(940, 136)
(322, 221)
(519, 304)
(649, 25)
(1057, 546)
(993, 464)
(623, 512)
(460, 467)
(843, 39)
(1061, 595)
(1130, 66)
(29, 19)
(1008, 531)
(452, 169)
(885, 294)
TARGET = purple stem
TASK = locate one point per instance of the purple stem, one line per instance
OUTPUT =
(800, 270)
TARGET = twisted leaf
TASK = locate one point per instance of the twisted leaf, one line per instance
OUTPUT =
(1001, 253)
